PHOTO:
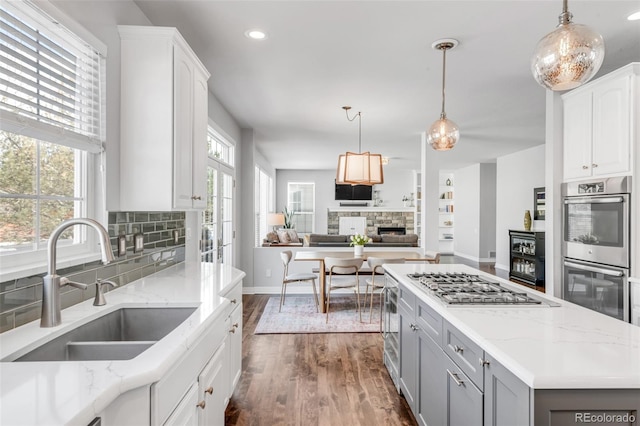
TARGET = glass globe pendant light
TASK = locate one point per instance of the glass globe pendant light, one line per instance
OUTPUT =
(569, 56)
(443, 133)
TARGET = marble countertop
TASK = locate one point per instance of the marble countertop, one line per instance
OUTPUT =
(562, 347)
(47, 393)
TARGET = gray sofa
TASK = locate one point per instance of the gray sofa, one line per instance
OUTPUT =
(327, 240)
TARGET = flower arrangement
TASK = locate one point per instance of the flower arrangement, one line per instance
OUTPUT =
(359, 240)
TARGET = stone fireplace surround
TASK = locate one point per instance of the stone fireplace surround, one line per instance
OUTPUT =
(375, 218)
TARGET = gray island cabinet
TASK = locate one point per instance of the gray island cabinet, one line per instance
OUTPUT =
(452, 377)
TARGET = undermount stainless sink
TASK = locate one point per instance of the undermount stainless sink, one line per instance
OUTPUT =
(119, 335)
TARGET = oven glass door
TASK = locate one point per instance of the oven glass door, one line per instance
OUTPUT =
(602, 289)
(598, 221)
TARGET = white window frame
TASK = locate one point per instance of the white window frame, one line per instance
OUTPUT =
(263, 203)
(20, 264)
(312, 213)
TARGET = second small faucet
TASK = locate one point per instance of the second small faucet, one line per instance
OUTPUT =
(99, 300)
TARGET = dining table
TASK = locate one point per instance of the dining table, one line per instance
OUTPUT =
(318, 255)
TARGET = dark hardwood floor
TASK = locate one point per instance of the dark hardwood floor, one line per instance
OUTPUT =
(312, 379)
(315, 379)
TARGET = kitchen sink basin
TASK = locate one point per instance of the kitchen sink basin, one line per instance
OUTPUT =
(119, 335)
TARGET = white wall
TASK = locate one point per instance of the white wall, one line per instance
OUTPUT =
(397, 182)
(466, 216)
(516, 175)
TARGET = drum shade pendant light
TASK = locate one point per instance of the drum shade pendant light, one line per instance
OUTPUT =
(444, 133)
(569, 56)
(362, 168)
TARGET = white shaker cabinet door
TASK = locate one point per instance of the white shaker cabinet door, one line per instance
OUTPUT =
(611, 127)
(577, 135)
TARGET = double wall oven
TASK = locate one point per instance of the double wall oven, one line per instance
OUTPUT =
(595, 245)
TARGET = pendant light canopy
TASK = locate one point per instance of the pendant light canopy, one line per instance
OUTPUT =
(443, 133)
(569, 56)
(362, 168)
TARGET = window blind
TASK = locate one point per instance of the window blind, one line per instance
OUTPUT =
(50, 80)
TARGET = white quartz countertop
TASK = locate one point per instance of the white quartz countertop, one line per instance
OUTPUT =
(562, 347)
(60, 393)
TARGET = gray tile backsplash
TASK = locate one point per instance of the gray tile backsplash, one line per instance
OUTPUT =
(20, 298)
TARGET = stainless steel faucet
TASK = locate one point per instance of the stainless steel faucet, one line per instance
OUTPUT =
(99, 300)
(51, 316)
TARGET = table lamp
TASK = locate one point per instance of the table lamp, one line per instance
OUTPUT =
(275, 220)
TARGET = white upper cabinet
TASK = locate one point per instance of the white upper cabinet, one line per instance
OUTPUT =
(598, 126)
(163, 147)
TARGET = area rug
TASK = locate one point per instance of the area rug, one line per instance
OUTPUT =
(299, 316)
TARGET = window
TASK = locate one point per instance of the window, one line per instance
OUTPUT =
(263, 187)
(301, 201)
(51, 105)
(217, 218)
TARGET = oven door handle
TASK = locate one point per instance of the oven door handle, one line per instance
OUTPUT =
(605, 271)
(594, 200)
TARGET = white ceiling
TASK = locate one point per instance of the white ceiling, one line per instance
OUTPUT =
(376, 56)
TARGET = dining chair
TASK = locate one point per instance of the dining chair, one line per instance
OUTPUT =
(432, 256)
(343, 266)
(377, 286)
(295, 278)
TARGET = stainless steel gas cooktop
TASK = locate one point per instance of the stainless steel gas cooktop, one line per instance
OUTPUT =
(468, 289)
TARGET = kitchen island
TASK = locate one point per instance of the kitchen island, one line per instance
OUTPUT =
(554, 363)
(76, 392)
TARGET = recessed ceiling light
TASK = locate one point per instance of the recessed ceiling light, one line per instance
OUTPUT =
(634, 16)
(256, 34)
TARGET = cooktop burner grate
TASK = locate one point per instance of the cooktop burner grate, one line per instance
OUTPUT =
(462, 288)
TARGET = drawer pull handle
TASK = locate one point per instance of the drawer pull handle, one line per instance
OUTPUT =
(196, 197)
(455, 378)
(209, 390)
(585, 167)
(201, 404)
(234, 301)
(458, 349)
(235, 325)
(233, 330)
(413, 327)
(483, 362)
(594, 165)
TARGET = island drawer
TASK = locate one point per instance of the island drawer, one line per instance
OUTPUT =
(466, 354)
(406, 299)
(429, 321)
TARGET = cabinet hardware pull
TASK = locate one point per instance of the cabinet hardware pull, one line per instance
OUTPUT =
(201, 404)
(234, 301)
(484, 362)
(594, 165)
(458, 349)
(455, 378)
(196, 197)
(209, 390)
(413, 327)
(233, 330)
(585, 167)
(235, 325)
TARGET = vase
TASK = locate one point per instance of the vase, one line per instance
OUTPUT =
(527, 220)
(357, 251)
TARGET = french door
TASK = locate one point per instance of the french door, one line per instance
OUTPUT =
(217, 220)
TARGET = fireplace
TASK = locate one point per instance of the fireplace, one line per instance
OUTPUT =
(392, 230)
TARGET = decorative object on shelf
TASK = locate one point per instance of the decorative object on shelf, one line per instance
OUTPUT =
(358, 241)
(569, 56)
(362, 168)
(443, 133)
(275, 220)
(527, 220)
(448, 182)
(288, 218)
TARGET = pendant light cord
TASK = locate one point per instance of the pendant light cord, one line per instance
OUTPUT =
(443, 115)
(565, 16)
(359, 116)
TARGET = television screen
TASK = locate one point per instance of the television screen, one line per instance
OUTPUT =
(353, 192)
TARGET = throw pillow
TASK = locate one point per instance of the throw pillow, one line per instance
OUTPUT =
(272, 237)
(293, 236)
(283, 236)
